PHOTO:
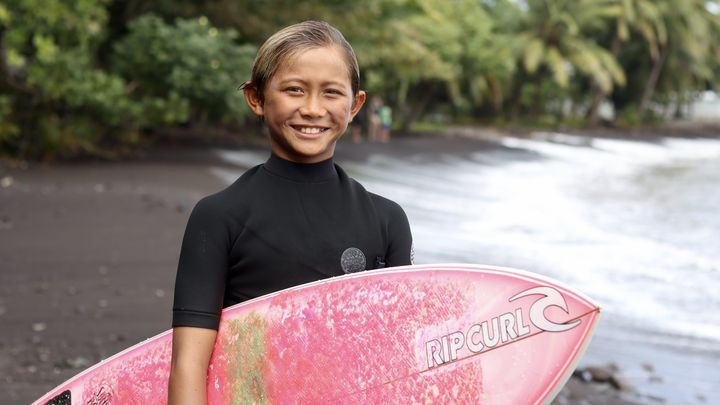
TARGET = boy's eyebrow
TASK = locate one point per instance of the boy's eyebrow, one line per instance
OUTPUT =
(300, 80)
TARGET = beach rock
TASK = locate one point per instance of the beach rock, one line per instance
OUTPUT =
(602, 375)
(6, 181)
(39, 327)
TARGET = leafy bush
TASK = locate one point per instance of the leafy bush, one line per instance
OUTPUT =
(190, 59)
(630, 116)
(57, 102)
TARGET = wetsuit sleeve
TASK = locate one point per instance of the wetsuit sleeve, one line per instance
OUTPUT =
(202, 268)
(400, 242)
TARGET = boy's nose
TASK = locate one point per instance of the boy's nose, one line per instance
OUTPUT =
(312, 107)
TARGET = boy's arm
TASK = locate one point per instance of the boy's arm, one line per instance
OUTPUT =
(191, 351)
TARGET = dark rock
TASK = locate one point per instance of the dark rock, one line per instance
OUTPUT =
(602, 375)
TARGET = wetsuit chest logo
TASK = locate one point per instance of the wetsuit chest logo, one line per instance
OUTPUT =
(352, 260)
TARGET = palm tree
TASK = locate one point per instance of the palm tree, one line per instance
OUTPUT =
(553, 38)
(693, 32)
(641, 16)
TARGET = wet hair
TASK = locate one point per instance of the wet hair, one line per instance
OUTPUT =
(294, 39)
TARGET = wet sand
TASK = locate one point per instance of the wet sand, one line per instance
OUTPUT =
(89, 252)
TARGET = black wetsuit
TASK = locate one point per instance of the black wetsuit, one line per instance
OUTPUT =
(279, 225)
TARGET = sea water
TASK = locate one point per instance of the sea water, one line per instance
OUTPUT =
(634, 225)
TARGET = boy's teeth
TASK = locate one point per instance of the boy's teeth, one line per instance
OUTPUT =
(306, 130)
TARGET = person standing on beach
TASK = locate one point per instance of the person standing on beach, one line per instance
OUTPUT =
(296, 218)
(385, 114)
(375, 120)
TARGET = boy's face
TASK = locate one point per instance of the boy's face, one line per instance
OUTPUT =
(308, 105)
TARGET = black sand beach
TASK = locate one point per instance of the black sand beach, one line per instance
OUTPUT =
(88, 259)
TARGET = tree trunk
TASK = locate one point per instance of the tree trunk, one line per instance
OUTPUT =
(516, 94)
(653, 79)
(593, 112)
(417, 109)
(497, 96)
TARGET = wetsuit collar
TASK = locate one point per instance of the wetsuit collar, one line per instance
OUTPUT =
(301, 172)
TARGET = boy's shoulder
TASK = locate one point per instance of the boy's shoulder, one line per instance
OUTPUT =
(229, 196)
(382, 204)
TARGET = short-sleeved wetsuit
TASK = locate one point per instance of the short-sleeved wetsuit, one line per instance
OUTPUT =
(279, 225)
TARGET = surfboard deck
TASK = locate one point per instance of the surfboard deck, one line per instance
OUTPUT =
(450, 333)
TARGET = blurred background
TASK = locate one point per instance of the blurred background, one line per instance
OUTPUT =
(86, 76)
(575, 138)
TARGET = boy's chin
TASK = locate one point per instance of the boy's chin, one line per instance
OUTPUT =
(305, 154)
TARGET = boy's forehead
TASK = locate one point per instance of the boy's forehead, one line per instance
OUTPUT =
(291, 58)
(289, 63)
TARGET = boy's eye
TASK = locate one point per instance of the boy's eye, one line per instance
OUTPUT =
(334, 92)
(294, 90)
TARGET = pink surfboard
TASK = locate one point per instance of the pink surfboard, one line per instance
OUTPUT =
(461, 334)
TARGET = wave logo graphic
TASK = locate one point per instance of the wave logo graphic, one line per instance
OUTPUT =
(501, 329)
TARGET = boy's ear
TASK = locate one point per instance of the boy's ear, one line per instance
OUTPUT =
(253, 99)
(357, 103)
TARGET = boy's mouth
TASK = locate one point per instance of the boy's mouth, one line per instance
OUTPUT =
(309, 130)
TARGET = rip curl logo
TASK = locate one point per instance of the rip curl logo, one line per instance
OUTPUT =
(552, 298)
(500, 329)
(352, 260)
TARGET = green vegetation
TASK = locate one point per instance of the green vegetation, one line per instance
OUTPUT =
(86, 77)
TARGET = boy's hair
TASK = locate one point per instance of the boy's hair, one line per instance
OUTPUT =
(291, 40)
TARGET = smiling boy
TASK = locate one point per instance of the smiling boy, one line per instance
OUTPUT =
(296, 218)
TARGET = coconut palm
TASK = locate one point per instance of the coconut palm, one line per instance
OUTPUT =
(553, 39)
(640, 16)
(691, 46)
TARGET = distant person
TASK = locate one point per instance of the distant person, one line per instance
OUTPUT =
(375, 122)
(359, 126)
(385, 123)
(296, 218)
